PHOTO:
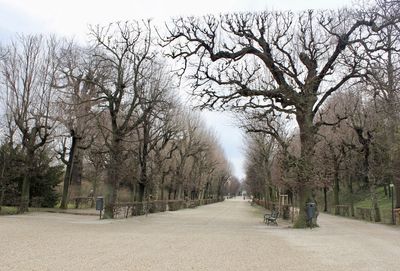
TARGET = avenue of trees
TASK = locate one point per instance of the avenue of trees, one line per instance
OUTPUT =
(108, 113)
(280, 67)
(317, 92)
(335, 75)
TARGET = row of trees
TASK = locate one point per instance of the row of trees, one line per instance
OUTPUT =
(337, 73)
(276, 67)
(108, 112)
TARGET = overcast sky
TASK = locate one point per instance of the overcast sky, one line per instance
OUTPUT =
(72, 17)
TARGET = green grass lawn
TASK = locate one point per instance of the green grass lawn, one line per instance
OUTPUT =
(8, 210)
(362, 199)
(384, 201)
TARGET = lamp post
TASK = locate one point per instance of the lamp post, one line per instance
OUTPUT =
(391, 192)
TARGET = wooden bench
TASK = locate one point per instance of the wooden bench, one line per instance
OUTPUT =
(271, 218)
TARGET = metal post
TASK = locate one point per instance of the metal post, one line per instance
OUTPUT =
(391, 190)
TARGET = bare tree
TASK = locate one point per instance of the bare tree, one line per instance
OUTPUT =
(27, 74)
(278, 61)
(76, 99)
(127, 65)
(383, 80)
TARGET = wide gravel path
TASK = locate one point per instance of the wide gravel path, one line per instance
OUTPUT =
(223, 236)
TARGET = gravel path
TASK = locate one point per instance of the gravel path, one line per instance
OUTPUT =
(223, 236)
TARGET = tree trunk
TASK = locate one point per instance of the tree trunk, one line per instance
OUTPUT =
(162, 191)
(26, 183)
(397, 194)
(325, 199)
(179, 192)
(350, 188)
(336, 190)
(265, 197)
(305, 171)
(374, 200)
(141, 191)
(24, 203)
(143, 161)
(110, 198)
(67, 176)
(94, 188)
(113, 178)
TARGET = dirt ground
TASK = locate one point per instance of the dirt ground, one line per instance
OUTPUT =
(223, 236)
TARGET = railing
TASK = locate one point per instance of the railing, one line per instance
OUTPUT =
(270, 205)
(125, 209)
(364, 213)
(82, 202)
(343, 210)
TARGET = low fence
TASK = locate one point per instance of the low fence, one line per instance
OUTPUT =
(366, 214)
(82, 202)
(285, 210)
(266, 204)
(342, 210)
(126, 209)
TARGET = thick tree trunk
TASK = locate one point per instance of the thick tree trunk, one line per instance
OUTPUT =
(111, 189)
(141, 191)
(26, 183)
(24, 203)
(67, 176)
(374, 200)
(305, 170)
(305, 196)
(64, 198)
(113, 178)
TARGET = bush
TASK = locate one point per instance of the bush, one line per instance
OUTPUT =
(42, 184)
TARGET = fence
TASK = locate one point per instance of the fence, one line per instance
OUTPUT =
(126, 209)
(269, 205)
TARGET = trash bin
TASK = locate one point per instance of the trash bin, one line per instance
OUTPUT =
(99, 203)
(310, 211)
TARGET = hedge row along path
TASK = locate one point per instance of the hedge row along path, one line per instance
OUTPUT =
(222, 236)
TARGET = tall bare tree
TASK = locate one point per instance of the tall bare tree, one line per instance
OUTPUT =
(27, 75)
(127, 66)
(279, 61)
(383, 80)
(77, 96)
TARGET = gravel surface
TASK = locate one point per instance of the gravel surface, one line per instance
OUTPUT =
(223, 236)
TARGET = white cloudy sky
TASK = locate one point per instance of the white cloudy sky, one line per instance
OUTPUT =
(72, 17)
